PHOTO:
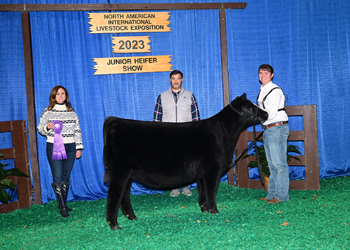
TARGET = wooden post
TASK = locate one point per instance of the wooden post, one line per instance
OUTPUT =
(28, 65)
(224, 60)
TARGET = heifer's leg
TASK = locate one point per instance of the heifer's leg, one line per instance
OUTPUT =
(115, 193)
(126, 203)
(211, 182)
(201, 196)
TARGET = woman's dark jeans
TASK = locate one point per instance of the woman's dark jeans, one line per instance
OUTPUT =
(61, 169)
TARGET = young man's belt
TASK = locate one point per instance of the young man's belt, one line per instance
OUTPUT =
(273, 125)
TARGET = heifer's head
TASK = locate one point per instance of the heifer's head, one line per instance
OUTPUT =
(246, 108)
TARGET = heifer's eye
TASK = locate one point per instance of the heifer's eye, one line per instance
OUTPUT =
(247, 111)
(251, 110)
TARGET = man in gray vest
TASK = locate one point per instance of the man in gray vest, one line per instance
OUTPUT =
(176, 105)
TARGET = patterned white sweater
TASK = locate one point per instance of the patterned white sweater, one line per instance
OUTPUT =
(71, 131)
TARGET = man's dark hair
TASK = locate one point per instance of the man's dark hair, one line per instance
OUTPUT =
(175, 72)
(266, 67)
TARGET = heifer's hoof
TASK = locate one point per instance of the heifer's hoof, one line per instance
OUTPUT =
(204, 210)
(115, 227)
(131, 217)
(214, 211)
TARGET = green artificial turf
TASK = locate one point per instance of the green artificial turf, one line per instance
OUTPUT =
(313, 219)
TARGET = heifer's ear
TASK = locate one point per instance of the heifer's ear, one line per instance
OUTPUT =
(244, 96)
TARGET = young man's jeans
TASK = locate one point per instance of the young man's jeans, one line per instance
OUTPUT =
(61, 169)
(275, 144)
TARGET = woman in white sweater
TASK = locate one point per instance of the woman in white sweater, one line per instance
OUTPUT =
(60, 124)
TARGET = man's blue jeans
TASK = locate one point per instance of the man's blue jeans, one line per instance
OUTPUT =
(61, 169)
(275, 145)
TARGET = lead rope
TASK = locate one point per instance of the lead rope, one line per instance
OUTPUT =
(257, 157)
(246, 150)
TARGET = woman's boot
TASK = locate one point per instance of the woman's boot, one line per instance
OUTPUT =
(60, 201)
(64, 190)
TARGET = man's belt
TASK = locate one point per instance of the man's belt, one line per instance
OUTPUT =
(274, 125)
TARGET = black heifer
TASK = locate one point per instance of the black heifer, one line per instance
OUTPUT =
(168, 155)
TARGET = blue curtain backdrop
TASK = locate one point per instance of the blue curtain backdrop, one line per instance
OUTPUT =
(307, 43)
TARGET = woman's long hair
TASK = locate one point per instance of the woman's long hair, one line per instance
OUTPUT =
(52, 98)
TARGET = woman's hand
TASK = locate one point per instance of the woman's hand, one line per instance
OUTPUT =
(50, 125)
(78, 154)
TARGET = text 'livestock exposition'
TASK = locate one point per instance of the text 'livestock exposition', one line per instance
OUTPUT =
(129, 22)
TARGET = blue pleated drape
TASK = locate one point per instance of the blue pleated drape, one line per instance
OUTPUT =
(307, 43)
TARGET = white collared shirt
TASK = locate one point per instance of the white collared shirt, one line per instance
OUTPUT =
(274, 101)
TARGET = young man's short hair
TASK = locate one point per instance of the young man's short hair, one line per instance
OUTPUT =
(266, 67)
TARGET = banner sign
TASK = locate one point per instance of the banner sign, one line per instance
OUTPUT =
(131, 44)
(129, 22)
(137, 64)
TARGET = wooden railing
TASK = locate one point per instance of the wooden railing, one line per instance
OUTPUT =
(18, 152)
(309, 159)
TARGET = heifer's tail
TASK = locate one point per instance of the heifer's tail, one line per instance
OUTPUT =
(106, 178)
